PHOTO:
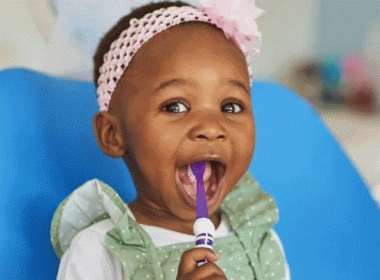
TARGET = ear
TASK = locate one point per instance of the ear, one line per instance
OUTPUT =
(108, 133)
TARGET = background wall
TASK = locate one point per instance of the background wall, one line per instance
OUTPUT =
(344, 26)
(288, 29)
(21, 43)
(35, 33)
(28, 30)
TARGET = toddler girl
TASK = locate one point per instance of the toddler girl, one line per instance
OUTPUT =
(173, 87)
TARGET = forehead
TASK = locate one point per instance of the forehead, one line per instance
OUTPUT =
(185, 42)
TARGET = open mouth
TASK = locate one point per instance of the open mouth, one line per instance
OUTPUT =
(213, 180)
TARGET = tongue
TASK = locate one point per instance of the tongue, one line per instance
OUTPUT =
(208, 171)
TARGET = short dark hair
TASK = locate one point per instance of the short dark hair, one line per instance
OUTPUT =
(114, 33)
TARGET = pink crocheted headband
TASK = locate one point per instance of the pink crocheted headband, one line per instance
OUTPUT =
(235, 17)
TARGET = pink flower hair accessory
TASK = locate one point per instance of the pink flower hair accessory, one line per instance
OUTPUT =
(236, 18)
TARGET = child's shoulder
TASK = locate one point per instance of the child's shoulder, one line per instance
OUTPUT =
(247, 192)
(249, 207)
(89, 212)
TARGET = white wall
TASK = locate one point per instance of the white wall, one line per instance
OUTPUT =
(288, 28)
(292, 29)
(343, 26)
(20, 42)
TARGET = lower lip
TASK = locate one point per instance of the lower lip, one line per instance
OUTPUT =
(191, 201)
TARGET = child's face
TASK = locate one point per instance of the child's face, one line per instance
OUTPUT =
(186, 98)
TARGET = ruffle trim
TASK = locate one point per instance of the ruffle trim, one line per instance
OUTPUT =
(92, 202)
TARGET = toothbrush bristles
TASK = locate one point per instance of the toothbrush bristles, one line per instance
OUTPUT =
(191, 175)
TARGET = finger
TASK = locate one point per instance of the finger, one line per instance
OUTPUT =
(208, 271)
(191, 257)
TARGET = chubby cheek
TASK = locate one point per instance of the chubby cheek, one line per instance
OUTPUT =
(154, 149)
(162, 141)
(250, 142)
(249, 139)
(244, 153)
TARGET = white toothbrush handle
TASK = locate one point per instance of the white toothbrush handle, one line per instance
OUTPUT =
(204, 231)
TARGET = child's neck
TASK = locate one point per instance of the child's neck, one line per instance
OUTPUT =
(154, 217)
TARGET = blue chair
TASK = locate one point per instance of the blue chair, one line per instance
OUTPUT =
(329, 225)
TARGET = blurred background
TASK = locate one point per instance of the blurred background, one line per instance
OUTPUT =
(327, 51)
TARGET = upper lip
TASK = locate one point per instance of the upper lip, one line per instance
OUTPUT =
(204, 157)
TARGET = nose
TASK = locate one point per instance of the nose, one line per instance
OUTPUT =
(208, 129)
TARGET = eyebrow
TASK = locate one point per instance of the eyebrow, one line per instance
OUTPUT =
(181, 82)
(239, 84)
(173, 82)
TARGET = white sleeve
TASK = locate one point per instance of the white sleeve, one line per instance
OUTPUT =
(87, 258)
(277, 239)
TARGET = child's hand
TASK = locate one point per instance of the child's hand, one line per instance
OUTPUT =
(188, 268)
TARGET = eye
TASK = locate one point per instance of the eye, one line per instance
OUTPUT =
(232, 108)
(175, 107)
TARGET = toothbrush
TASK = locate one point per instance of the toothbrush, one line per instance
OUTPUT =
(203, 228)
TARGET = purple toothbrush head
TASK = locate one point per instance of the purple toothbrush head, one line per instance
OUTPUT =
(198, 169)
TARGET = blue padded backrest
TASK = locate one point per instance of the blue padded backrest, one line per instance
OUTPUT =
(47, 149)
(329, 225)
